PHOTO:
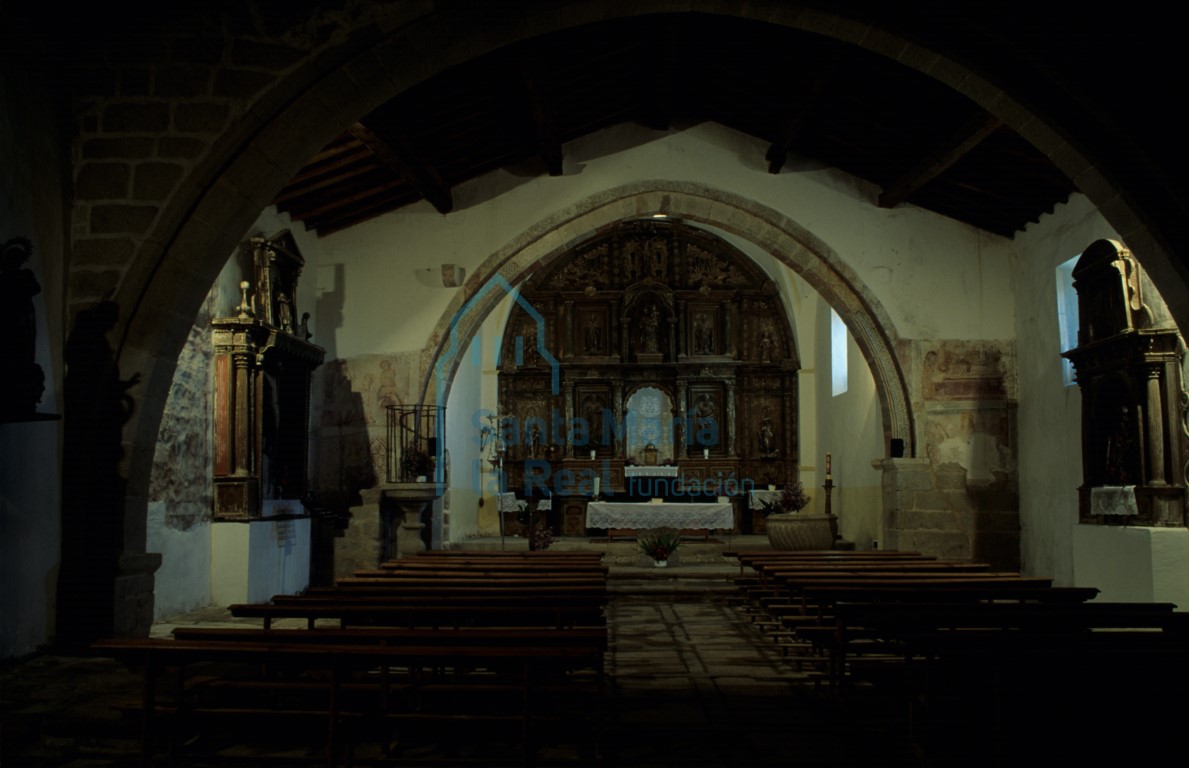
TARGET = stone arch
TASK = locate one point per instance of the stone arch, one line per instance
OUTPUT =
(159, 258)
(775, 233)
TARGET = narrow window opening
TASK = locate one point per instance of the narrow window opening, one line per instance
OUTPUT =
(838, 367)
(1067, 316)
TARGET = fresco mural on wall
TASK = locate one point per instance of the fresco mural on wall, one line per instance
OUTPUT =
(182, 461)
(350, 401)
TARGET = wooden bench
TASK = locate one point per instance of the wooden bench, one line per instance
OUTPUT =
(353, 681)
(525, 614)
(1014, 676)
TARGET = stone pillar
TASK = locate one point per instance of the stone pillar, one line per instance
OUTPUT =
(411, 499)
(408, 535)
(916, 514)
(133, 608)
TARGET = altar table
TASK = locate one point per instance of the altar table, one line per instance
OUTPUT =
(610, 514)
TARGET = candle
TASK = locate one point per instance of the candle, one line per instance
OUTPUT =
(596, 485)
(827, 466)
(705, 453)
(592, 455)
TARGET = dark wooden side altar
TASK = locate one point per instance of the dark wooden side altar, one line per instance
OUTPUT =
(263, 362)
(668, 346)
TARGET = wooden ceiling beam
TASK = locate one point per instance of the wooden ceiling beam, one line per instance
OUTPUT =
(778, 151)
(941, 159)
(544, 116)
(324, 205)
(396, 153)
(345, 176)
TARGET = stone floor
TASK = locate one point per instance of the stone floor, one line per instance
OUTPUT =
(691, 683)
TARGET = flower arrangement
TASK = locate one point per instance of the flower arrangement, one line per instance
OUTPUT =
(660, 543)
(793, 498)
(541, 537)
(416, 463)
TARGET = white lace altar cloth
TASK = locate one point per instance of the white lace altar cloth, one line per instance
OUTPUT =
(757, 499)
(509, 503)
(661, 471)
(605, 514)
(1113, 500)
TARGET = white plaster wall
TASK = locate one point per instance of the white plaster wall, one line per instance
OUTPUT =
(850, 428)
(251, 562)
(464, 410)
(182, 583)
(934, 276)
(1049, 416)
(33, 157)
(278, 558)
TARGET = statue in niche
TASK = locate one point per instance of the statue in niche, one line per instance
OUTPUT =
(593, 335)
(25, 382)
(650, 322)
(284, 313)
(765, 346)
(699, 333)
(592, 410)
(705, 413)
(534, 442)
(708, 340)
(767, 434)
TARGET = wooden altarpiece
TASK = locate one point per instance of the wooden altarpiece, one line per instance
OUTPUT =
(1129, 369)
(657, 306)
(263, 362)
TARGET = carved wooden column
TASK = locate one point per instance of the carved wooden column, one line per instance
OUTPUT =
(617, 448)
(1155, 427)
(731, 429)
(680, 440)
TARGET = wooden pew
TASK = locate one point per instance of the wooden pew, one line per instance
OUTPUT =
(340, 673)
(575, 555)
(492, 565)
(525, 614)
(1017, 676)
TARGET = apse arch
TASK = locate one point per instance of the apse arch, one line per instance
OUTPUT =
(789, 242)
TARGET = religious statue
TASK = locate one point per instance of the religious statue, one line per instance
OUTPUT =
(767, 435)
(534, 442)
(765, 346)
(284, 313)
(24, 381)
(699, 334)
(592, 411)
(303, 328)
(648, 335)
(593, 335)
